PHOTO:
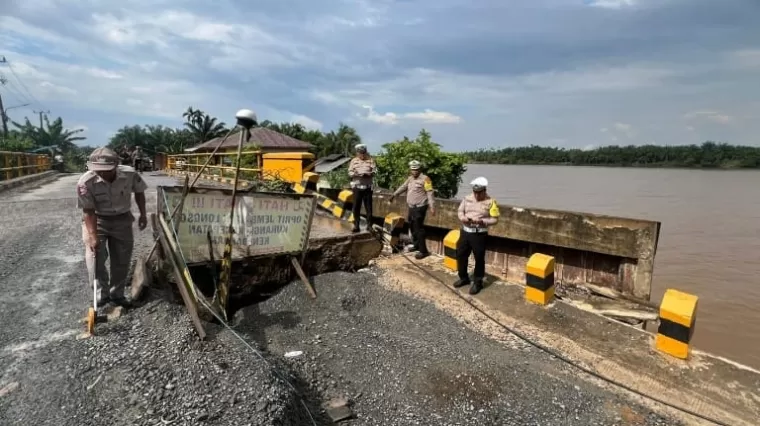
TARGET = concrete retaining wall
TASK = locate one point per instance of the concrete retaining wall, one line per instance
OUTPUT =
(606, 251)
(6, 185)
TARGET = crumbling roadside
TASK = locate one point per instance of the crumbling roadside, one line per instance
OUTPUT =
(144, 367)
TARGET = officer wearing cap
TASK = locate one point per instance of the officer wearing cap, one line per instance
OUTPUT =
(361, 171)
(477, 212)
(419, 198)
(137, 159)
(104, 193)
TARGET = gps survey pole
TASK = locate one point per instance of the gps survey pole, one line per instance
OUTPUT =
(245, 119)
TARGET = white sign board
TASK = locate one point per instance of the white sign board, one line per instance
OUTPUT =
(264, 223)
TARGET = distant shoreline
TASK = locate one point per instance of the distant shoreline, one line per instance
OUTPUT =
(623, 166)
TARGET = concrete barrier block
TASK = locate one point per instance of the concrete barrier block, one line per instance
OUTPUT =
(678, 315)
(344, 204)
(539, 279)
(326, 203)
(450, 249)
(310, 181)
(393, 226)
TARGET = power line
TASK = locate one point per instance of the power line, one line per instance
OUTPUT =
(12, 90)
(4, 60)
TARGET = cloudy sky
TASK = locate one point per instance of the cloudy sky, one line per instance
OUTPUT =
(476, 73)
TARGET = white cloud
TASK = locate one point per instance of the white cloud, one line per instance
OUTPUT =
(430, 116)
(611, 4)
(426, 116)
(531, 70)
(714, 116)
(307, 122)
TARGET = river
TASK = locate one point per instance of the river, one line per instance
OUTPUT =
(709, 240)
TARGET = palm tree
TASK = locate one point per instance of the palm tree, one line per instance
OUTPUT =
(203, 126)
(51, 134)
(128, 136)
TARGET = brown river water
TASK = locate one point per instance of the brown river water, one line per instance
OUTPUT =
(709, 240)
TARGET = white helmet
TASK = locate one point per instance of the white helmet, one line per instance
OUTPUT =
(414, 165)
(479, 184)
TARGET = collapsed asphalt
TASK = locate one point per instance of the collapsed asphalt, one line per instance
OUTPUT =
(397, 360)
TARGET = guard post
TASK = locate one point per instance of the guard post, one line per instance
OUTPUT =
(678, 315)
(539, 279)
(344, 205)
(308, 184)
(450, 242)
(393, 226)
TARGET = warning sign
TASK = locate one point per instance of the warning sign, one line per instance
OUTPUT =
(264, 223)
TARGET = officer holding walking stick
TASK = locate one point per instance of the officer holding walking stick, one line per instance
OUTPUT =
(104, 194)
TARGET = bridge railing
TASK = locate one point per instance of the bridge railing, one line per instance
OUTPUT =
(17, 164)
(222, 164)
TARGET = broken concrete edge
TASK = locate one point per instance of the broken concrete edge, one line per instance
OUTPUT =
(576, 244)
(615, 350)
(25, 180)
(579, 242)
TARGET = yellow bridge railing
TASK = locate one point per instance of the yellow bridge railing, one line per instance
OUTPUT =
(18, 164)
(222, 164)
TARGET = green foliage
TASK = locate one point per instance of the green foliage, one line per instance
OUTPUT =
(16, 143)
(445, 169)
(50, 134)
(337, 178)
(153, 139)
(202, 126)
(707, 155)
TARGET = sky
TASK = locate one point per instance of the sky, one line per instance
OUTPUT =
(476, 74)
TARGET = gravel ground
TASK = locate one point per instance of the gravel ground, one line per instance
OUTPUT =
(401, 361)
(142, 367)
(397, 360)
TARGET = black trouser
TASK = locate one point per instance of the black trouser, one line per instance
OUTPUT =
(416, 221)
(475, 243)
(362, 196)
(138, 165)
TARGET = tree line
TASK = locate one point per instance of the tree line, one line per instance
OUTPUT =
(199, 127)
(707, 155)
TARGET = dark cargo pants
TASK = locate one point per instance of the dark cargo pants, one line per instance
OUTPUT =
(116, 243)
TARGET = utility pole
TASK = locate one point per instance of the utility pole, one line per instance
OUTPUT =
(40, 113)
(3, 117)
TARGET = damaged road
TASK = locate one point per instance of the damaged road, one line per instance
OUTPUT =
(144, 368)
(393, 359)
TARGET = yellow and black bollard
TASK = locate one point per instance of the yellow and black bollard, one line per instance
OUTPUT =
(450, 249)
(343, 205)
(539, 279)
(393, 226)
(678, 315)
(308, 184)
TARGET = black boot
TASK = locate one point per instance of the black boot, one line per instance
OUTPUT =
(476, 287)
(421, 255)
(461, 282)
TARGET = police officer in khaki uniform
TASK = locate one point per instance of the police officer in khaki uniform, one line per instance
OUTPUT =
(104, 193)
(361, 171)
(419, 198)
(477, 212)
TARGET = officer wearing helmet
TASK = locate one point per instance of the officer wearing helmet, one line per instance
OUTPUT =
(361, 171)
(477, 212)
(419, 199)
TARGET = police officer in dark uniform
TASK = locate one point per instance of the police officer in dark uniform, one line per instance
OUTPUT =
(477, 212)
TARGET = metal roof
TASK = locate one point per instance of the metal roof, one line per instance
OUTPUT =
(328, 164)
(261, 136)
